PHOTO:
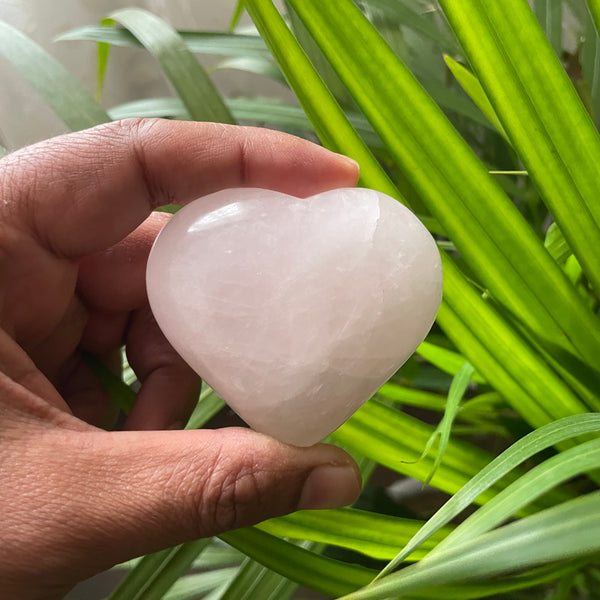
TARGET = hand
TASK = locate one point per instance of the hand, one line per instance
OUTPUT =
(75, 231)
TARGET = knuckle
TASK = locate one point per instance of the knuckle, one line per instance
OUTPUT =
(230, 495)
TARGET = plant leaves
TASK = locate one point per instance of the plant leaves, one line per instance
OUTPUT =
(541, 112)
(201, 42)
(473, 88)
(569, 530)
(494, 239)
(188, 77)
(66, 96)
(523, 449)
(154, 575)
(373, 534)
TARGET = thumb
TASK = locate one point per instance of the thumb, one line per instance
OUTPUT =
(130, 493)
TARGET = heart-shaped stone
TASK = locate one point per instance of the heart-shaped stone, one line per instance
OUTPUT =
(295, 310)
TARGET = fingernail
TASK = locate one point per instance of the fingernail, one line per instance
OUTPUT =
(330, 486)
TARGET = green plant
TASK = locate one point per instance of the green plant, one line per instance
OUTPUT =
(508, 182)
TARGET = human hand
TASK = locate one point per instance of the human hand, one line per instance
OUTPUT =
(75, 231)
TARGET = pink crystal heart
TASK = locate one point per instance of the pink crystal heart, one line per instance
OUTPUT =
(295, 310)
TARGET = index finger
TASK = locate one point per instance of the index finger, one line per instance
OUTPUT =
(82, 192)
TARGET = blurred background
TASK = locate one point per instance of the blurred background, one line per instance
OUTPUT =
(131, 74)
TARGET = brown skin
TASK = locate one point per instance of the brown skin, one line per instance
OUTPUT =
(75, 231)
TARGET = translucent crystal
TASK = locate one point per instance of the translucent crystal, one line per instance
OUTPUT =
(295, 310)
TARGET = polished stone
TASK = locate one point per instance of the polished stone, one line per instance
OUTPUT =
(295, 310)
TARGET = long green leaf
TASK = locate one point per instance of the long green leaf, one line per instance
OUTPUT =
(473, 88)
(265, 110)
(551, 473)
(328, 119)
(191, 586)
(188, 77)
(253, 580)
(497, 350)
(510, 383)
(397, 440)
(486, 227)
(156, 573)
(73, 104)
(541, 112)
(333, 577)
(459, 385)
(569, 530)
(549, 15)
(446, 360)
(201, 42)
(523, 449)
(373, 534)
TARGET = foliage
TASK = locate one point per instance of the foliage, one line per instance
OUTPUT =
(482, 117)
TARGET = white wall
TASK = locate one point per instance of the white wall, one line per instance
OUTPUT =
(132, 73)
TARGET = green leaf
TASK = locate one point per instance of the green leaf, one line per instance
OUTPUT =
(120, 393)
(73, 104)
(238, 11)
(103, 53)
(473, 88)
(396, 440)
(3, 151)
(333, 577)
(320, 573)
(569, 530)
(446, 360)
(191, 586)
(412, 397)
(556, 244)
(373, 534)
(541, 112)
(403, 14)
(255, 581)
(188, 77)
(264, 110)
(154, 575)
(549, 14)
(201, 42)
(494, 239)
(209, 404)
(254, 64)
(541, 478)
(328, 119)
(459, 385)
(523, 449)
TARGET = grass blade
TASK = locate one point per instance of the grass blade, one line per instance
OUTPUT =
(493, 237)
(73, 104)
(328, 119)
(569, 530)
(473, 88)
(201, 42)
(445, 360)
(458, 388)
(549, 15)
(523, 449)
(541, 478)
(373, 534)
(154, 575)
(188, 77)
(541, 112)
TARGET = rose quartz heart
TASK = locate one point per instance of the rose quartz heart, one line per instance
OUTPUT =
(295, 311)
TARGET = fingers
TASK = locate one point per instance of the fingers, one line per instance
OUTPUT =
(170, 388)
(109, 497)
(83, 192)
